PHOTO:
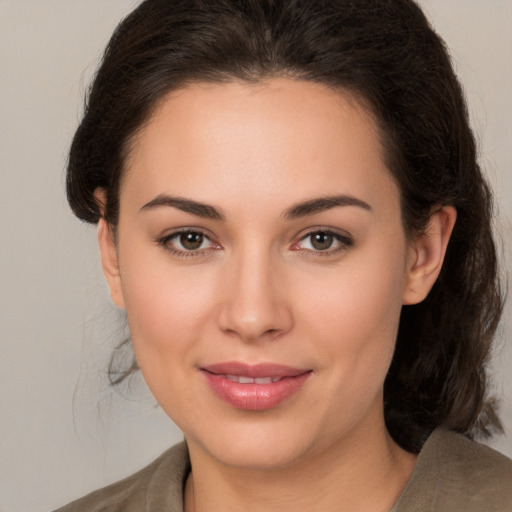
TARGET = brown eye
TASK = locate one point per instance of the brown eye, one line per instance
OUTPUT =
(188, 243)
(191, 241)
(326, 242)
(321, 241)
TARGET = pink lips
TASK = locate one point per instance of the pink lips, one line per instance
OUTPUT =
(254, 387)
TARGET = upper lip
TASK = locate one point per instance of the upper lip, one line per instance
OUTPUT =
(254, 370)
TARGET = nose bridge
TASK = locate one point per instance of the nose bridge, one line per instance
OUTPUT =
(254, 304)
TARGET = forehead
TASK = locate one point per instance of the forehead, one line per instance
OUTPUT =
(238, 139)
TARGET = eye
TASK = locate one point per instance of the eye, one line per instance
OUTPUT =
(187, 242)
(191, 241)
(323, 241)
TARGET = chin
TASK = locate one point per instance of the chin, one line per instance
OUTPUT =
(257, 446)
(257, 456)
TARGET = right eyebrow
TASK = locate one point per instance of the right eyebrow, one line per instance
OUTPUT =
(186, 205)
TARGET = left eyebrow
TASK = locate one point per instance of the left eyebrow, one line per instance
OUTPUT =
(322, 204)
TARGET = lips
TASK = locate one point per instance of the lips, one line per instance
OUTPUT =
(254, 387)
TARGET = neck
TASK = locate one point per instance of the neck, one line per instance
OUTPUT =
(363, 472)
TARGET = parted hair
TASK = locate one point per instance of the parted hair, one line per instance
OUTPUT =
(384, 53)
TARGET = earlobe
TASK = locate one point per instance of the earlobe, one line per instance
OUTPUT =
(427, 255)
(109, 261)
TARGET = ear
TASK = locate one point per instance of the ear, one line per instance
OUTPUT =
(108, 251)
(427, 253)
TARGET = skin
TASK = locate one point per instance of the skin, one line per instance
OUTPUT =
(258, 290)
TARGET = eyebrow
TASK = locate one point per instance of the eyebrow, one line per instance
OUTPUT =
(322, 204)
(303, 209)
(186, 205)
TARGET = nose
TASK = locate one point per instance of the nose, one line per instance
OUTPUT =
(254, 305)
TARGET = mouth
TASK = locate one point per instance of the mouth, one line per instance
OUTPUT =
(250, 380)
(254, 387)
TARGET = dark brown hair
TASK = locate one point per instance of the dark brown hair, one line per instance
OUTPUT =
(383, 52)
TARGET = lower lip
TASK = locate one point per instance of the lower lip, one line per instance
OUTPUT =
(255, 397)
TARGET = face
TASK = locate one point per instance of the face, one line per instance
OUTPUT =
(262, 262)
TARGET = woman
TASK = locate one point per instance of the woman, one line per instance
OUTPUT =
(291, 213)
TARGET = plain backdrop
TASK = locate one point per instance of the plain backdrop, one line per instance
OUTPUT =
(63, 431)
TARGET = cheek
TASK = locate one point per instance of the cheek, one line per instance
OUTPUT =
(168, 309)
(357, 311)
(353, 325)
(166, 306)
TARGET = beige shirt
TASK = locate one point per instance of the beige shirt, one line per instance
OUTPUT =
(452, 474)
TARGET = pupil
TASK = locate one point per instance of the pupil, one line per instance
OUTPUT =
(322, 241)
(191, 241)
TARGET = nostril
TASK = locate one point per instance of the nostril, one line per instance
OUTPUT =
(253, 315)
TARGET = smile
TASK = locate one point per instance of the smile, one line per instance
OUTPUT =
(250, 380)
(256, 387)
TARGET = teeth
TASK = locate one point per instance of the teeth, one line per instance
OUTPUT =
(263, 380)
(250, 380)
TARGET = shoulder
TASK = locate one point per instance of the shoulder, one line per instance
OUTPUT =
(453, 473)
(159, 483)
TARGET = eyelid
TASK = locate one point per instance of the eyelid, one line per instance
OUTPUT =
(164, 241)
(341, 236)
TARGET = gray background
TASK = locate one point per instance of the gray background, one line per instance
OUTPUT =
(63, 432)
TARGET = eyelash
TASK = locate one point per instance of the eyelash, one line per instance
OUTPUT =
(345, 240)
(183, 253)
